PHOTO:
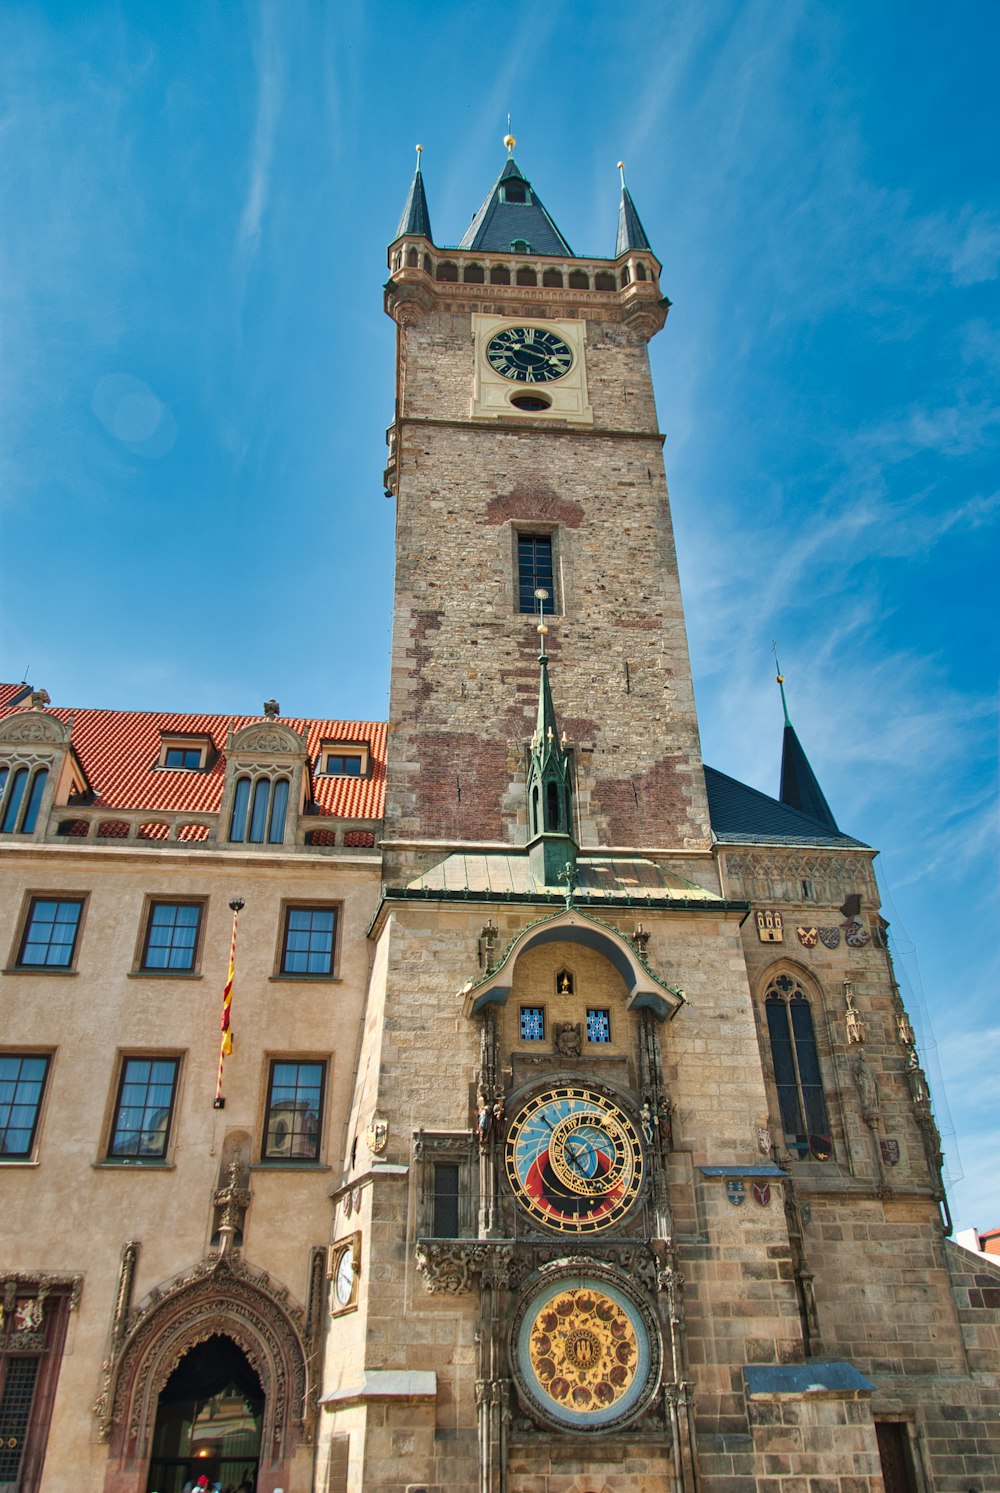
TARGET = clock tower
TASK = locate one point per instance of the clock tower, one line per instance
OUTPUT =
(539, 1279)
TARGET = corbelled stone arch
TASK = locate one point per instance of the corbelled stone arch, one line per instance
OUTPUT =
(230, 1302)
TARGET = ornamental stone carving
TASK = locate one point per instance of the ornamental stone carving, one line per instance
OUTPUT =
(270, 738)
(34, 726)
(221, 1296)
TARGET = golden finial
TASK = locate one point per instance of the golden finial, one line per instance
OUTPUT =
(510, 142)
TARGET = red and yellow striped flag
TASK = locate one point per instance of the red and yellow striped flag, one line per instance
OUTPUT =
(226, 1045)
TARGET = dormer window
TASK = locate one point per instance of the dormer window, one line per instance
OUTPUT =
(515, 191)
(520, 246)
(184, 753)
(21, 790)
(343, 760)
(259, 810)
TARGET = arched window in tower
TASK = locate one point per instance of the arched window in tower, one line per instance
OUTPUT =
(797, 1075)
(552, 807)
(534, 810)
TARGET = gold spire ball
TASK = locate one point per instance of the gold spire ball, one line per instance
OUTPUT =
(510, 142)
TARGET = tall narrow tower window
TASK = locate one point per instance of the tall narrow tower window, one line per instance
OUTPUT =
(534, 572)
(797, 1075)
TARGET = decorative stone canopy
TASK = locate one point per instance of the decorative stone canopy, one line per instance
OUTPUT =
(646, 991)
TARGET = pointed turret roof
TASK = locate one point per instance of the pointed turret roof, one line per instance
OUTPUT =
(545, 744)
(631, 234)
(503, 221)
(799, 787)
(416, 220)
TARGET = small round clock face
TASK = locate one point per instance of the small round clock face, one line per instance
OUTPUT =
(343, 1276)
(574, 1160)
(529, 355)
(584, 1354)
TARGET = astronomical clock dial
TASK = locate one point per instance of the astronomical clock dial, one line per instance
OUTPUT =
(585, 1354)
(574, 1160)
(529, 355)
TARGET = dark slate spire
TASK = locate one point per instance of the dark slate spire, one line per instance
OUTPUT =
(416, 219)
(550, 802)
(631, 234)
(513, 214)
(799, 788)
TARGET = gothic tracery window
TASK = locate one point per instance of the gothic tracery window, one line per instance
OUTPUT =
(797, 1075)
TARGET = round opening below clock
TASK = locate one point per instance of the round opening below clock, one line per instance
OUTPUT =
(529, 355)
(574, 1159)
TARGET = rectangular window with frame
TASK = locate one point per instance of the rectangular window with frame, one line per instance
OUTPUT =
(171, 941)
(535, 573)
(50, 933)
(144, 1108)
(309, 942)
(22, 1084)
(446, 1196)
(295, 1093)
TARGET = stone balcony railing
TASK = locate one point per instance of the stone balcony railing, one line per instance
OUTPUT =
(75, 825)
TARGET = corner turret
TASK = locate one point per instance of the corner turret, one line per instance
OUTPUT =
(416, 220)
(799, 787)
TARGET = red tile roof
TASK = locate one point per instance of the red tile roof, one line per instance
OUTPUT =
(119, 749)
(10, 692)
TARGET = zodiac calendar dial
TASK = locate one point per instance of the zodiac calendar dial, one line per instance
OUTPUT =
(574, 1160)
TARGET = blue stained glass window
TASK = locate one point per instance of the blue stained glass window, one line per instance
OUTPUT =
(145, 1103)
(22, 1080)
(532, 1024)
(598, 1026)
(309, 941)
(172, 935)
(50, 934)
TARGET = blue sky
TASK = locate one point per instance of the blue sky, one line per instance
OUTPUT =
(196, 376)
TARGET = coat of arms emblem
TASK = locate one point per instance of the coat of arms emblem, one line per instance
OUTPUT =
(769, 926)
(890, 1151)
(378, 1135)
(761, 1193)
(808, 937)
(856, 935)
(736, 1191)
(829, 937)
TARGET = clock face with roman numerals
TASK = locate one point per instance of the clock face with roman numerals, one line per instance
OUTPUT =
(529, 355)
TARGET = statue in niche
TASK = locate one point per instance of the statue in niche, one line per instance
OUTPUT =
(564, 983)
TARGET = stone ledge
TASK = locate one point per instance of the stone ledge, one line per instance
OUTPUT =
(382, 1385)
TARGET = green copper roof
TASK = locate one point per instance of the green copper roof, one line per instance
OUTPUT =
(416, 219)
(600, 878)
(501, 223)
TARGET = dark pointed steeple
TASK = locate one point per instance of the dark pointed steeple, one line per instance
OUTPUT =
(416, 220)
(513, 216)
(551, 846)
(631, 234)
(799, 788)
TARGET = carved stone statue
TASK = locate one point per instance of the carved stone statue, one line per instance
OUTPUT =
(568, 1038)
(867, 1088)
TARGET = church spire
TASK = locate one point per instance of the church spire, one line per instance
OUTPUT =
(512, 219)
(550, 800)
(631, 234)
(416, 220)
(799, 787)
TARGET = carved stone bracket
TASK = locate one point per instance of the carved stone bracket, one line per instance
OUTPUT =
(448, 1266)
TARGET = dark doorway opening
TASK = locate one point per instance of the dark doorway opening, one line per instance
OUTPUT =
(895, 1457)
(208, 1421)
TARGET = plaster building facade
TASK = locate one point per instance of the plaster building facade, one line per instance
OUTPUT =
(573, 1138)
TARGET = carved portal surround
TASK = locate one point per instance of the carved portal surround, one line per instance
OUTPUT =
(220, 1296)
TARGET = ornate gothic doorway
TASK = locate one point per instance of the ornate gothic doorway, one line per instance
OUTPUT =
(208, 1420)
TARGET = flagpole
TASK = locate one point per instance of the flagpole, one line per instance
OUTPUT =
(226, 1044)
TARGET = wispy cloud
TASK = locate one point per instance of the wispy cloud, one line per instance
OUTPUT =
(269, 63)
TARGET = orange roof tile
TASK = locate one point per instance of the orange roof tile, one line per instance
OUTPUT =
(119, 751)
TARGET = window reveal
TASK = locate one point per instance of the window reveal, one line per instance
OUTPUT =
(797, 1075)
(22, 1083)
(294, 1107)
(144, 1108)
(309, 941)
(49, 938)
(535, 572)
(259, 811)
(172, 935)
